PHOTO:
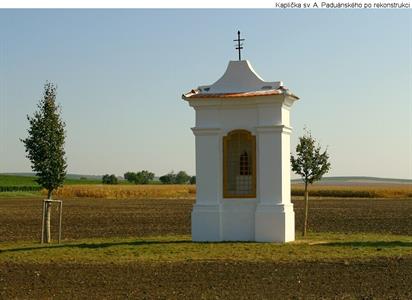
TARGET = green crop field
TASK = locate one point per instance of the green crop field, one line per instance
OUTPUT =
(13, 180)
(18, 181)
(26, 186)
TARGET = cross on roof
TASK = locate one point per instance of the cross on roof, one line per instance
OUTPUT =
(239, 45)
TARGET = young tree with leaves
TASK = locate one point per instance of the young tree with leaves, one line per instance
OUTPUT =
(45, 147)
(310, 163)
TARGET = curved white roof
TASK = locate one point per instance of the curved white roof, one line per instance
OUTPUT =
(239, 78)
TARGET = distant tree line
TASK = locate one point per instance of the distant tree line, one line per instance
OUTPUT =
(179, 178)
(142, 177)
(109, 179)
(146, 177)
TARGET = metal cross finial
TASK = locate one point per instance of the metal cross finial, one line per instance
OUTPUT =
(239, 45)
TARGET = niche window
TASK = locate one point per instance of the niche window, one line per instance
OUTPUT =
(239, 165)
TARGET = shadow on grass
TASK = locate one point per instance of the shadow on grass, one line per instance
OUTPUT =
(102, 245)
(93, 245)
(369, 244)
(352, 244)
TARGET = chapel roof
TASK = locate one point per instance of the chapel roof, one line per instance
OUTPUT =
(239, 80)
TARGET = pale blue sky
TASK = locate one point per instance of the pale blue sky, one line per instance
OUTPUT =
(121, 73)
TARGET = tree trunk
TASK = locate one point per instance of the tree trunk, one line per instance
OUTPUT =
(47, 236)
(305, 222)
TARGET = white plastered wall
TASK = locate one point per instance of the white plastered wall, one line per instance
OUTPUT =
(267, 218)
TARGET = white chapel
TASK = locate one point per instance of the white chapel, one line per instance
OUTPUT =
(242, 136)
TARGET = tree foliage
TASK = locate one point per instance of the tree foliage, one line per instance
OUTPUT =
(171, 178)
(109, 179)
(310, 162)
(168, 178)
(144, 177)
(192, 180)
(141, 177)
(130, 176)
(45, 142)
(182, 178)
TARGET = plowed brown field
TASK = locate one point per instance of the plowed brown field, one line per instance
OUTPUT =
(379, 278)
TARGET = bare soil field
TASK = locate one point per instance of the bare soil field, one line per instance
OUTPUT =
(376, 278)
(20, 219)
(88, 218)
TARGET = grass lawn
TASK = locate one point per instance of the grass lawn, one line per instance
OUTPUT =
(175, 248)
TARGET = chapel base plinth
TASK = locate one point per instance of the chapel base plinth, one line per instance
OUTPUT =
(274, 223)
(206, 223)
(238, 220)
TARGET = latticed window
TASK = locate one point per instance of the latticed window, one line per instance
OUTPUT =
(239, 159)
(245, 164)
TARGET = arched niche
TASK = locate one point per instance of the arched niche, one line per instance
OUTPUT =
(239, 164)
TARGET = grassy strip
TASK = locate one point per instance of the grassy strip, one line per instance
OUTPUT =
(24, 182)
(20, 194)
(317, 247)
(22, 188)
(12, 180)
